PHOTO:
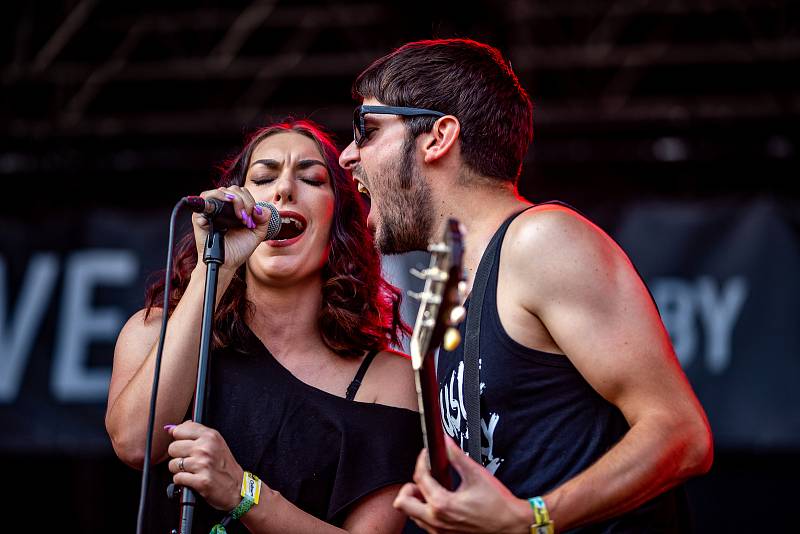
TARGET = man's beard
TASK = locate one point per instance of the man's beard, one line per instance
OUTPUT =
(407, 211)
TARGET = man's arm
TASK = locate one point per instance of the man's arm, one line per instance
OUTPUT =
(585, 291)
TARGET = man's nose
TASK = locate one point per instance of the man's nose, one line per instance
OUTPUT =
(349, 156)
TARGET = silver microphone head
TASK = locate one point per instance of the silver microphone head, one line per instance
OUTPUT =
(274, 220)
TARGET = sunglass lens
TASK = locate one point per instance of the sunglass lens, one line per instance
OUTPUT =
(357, 125)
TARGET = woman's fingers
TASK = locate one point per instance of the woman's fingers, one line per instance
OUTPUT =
(242, 201)
(181, 464)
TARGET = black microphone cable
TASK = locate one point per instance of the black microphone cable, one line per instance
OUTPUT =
(151, 419)
(195, 205)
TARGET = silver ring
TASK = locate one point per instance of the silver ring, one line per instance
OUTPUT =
(180, 464)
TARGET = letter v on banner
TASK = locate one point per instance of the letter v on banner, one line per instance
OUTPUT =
(17, 333)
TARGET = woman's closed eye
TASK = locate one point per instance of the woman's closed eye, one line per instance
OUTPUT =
(316, 182)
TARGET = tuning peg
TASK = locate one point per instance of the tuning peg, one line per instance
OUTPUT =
(429, 297)
(434, 299)
(462, 288)
(452, 338)
(438, 247)
(433, 273)
(457, 314)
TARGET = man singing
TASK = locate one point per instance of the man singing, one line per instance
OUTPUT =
(588, 422)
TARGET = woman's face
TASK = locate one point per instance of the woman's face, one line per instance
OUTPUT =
(287, 170)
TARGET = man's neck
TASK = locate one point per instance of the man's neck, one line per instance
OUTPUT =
(481, 209)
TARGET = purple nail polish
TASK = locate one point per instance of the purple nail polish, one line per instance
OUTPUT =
(244, 216)
(258, 209)
(169, 427)
(229, 196)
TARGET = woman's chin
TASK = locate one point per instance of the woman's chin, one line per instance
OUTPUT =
(284, 271)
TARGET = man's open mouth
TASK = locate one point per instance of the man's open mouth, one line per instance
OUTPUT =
(365, 196)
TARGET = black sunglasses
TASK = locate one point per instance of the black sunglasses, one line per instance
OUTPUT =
(359, 132)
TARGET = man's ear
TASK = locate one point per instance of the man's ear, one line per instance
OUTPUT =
(441, 139)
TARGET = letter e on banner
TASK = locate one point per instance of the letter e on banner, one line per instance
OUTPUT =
(80, 324)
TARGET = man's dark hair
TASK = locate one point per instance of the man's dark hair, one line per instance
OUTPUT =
(464, 78)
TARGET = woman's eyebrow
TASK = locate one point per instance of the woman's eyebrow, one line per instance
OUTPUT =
(306, 163)
(269, 163)
(302, 164)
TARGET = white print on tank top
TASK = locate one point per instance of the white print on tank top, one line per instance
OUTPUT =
(454, 417)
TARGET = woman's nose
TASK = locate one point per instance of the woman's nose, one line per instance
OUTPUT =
(284, 190)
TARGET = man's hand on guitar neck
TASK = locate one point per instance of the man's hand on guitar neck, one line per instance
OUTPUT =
(481, 504)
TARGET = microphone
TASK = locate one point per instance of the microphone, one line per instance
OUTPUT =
(224, 217)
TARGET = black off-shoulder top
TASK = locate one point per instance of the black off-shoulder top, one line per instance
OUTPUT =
(322, 452)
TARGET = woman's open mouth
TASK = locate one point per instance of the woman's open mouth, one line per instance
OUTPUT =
(292, 225)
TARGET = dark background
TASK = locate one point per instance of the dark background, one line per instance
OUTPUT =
(111, 111)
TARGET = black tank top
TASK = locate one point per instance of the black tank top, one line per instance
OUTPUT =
(321, 451)
(541, 422)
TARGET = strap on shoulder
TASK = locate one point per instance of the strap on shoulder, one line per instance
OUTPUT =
(472, 381)
(352, 389)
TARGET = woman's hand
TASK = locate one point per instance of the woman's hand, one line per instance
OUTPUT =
(240, 242)
(201, 460)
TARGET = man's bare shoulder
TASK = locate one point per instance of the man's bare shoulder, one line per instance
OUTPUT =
(552, 253)
(554, 231)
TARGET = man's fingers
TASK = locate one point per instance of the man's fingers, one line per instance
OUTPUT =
(411, 502)
(423, 478)
(465, 466)
(408, 492)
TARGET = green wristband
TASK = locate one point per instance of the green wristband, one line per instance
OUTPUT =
(242, 508)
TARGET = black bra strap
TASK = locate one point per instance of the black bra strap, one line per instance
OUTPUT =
(352, 389)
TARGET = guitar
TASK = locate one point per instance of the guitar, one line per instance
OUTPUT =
(440, 310)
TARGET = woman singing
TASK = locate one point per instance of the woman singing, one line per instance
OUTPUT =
(303, 391)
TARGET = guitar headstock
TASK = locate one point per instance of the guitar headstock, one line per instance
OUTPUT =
(441, 301)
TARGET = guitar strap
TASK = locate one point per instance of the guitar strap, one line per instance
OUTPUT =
(472, 380)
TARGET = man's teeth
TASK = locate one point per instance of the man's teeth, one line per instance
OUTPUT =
(362, 189)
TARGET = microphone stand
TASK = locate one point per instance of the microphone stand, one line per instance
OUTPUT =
(213, 257)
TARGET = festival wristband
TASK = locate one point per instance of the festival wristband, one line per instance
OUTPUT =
(251, 487)
(251, 491)
(541, 517)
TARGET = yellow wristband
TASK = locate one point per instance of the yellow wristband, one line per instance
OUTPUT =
(541, 517)
(251, 487)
